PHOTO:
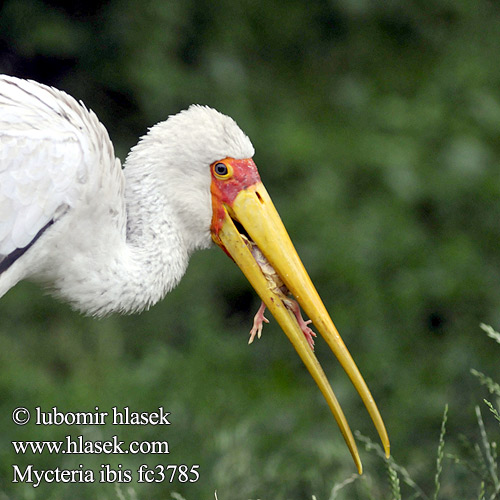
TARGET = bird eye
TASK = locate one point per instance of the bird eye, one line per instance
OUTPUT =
(222, 171)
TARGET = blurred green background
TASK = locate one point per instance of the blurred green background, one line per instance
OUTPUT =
(376, 127)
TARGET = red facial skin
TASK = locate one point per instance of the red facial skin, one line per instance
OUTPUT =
(224, 191)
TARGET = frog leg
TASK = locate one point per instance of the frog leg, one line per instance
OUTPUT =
(258, 321)
(293, 306)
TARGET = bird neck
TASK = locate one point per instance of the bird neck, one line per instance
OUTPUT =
(156, 251)
(132, 258)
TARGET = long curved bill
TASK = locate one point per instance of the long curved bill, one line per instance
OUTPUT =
(253, 209)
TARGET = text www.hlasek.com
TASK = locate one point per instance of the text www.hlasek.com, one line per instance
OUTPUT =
(80, 446)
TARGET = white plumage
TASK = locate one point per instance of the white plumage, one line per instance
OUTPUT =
(107, 239)
(102, 238)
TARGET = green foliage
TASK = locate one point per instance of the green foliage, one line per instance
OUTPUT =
(493, 387)
(481, 460)
(440, 454)
(376, 133)
(491, 333)
(492, 409)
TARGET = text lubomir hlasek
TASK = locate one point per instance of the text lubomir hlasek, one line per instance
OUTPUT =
(118, 416)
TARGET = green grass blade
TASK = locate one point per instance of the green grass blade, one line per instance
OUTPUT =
(493, 387)
(490, 332)
(490, 461)
(377, 449)
(493, 410)
(440, 454)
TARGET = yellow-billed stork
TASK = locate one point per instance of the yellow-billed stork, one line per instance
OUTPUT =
(107, 239)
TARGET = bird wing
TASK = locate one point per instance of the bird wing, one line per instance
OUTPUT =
(45, 151)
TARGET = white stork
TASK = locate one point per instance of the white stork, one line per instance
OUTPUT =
(107, 239)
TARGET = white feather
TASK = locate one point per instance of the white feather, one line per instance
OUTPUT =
(118, 240)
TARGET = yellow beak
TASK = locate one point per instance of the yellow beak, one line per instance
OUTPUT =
(253, 209)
